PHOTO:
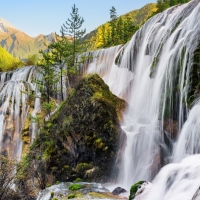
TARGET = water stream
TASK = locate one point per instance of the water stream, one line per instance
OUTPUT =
(153, 74)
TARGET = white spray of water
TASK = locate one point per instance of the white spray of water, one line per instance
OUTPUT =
(175, 181)
(160, 56)
(14, 98)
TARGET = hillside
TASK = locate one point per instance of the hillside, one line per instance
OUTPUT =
(7, 61)
(135, 19)
(19, 44)
(141, 15)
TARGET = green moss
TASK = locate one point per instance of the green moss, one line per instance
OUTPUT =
(156, 59)
(57, 182)
(134, 189)
(78, 180)
(71, 196)
(82, 167)
(104, 195)
(75, 187)
(99, 144)
(86, 124)
(66, 167)
(52, 194)
(194, 80)
(175, 27)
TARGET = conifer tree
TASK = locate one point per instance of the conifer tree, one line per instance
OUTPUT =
(49, 79)
(61, 50)
(129, 29)
(120, 31)
(72, 28)
(113, 24)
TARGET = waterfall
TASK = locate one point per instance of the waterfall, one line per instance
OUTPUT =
(14, 108)
(177, 181)
(189, 140)
(153, 74)
(157, 74)
(20, 98)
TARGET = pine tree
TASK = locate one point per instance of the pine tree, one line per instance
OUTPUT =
(47, 82)
(173, 2)
(72, 28)
(162, 5)
(129, 28)
(61, 50)
(120, 31)
(113, 24)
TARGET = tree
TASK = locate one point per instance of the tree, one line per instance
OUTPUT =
(113, 21)
(173, 2)
(120, 31)
(61, 50)
(47, 81)
(129, 28)
(72, 28)
(113, 13)
(32, 60)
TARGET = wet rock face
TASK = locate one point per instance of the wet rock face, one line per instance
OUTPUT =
(81, 140)
(171, 127)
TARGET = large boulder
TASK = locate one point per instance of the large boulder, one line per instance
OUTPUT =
(81, 139)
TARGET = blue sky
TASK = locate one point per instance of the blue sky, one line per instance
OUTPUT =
(36, 17)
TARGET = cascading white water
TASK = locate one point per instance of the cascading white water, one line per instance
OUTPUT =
(15, 87)
(160, 56)
(189, 140)
(103, 63)
(15, 99)
(177, 181)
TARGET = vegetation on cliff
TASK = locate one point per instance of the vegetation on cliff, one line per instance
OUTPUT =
(164, 4)
(80, 140)
(7, 61)
(121, 29)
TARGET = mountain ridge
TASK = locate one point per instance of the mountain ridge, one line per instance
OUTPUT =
(20, 44)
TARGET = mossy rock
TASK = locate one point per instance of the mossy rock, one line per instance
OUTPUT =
(134, 189)
(75, 187)
(82, 167)
(84, 132)
(78, 180)
(103, 195)
(71, 196)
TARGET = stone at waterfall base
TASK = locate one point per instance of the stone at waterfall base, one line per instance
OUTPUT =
(87, 191)
(118, 191)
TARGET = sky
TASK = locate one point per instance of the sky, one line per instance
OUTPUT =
(36, 17)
